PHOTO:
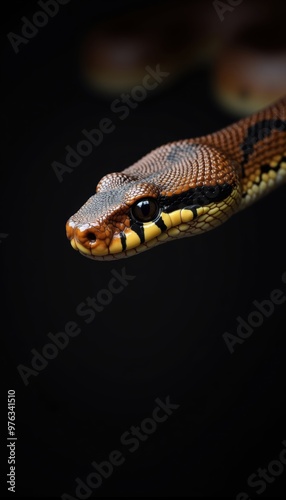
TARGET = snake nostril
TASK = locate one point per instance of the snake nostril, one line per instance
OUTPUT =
(90, 236)
(86, 235)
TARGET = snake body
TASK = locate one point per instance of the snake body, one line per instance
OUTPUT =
(183, 188)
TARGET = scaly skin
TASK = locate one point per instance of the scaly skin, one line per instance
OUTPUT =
(196, 184)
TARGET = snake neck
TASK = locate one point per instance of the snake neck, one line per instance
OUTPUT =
(258, 145)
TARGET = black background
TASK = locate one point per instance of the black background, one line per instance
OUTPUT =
(162, 336)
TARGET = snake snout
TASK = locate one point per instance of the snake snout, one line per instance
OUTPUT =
(84, 234)
(91, 238)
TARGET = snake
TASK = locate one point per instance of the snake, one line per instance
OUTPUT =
(183, 188)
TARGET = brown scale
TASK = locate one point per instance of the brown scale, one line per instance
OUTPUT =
(177, 167)
(230, 139)
(206, 166)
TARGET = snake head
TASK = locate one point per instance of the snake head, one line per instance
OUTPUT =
(110, 222)
(177, 190)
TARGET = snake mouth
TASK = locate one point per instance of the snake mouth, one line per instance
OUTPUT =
(109, 256)
(87, 241)
(133, 240)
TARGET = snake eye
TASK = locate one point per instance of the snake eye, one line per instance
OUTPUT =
(145, 210)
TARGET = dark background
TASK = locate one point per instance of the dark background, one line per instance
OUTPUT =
(162, 336)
